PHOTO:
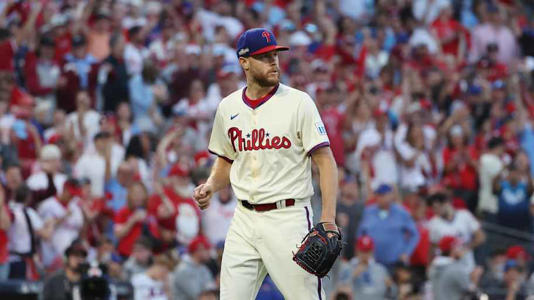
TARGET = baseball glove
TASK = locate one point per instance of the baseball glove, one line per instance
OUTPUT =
(319, 252)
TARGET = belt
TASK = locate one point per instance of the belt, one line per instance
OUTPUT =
(268, 206)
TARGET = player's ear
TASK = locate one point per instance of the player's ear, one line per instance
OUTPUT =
(244, 62)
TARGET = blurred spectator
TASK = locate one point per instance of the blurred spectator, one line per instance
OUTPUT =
(154, 282)
(118, 186)
(125, 123)
(490, 166)
(375, 150)
(132, 221)
(26, 227)
(191, 276)
(85, 122)
(42, 73)
(348, 215)
(493, 30)
(217, 217)
(415, 161)
(78, 72)
(494, 269)
(101, 164)
(145, 93)
(514, 191)
(405, 282)
(135, 51)
(460, 160)
(114, 74)
(49, 180)
(140, 259)
(13, 179)
(65, 283)
(24, 135)
(139, 154)
(327, 103)
(367, 278)
(391, 227)
(64, 212)
(98, 36)
(512, 285)
(460, 224)
(449, 276)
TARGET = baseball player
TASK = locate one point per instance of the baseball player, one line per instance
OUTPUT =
(265, 136)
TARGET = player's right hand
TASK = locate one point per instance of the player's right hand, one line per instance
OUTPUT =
(202, 195)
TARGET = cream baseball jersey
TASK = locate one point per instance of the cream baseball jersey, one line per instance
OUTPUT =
(269, 142)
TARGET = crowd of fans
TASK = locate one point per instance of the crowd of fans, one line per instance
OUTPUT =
(106, 108)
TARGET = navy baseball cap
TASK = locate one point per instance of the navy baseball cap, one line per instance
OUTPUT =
(257, 41)
(383, 189)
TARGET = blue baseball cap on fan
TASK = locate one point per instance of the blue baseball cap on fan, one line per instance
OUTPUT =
(257, 41)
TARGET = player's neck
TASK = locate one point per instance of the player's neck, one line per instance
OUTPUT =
(255, 91)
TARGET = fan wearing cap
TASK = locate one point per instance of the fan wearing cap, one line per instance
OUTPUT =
(460, 223)
(191, 276)
(266, 136)
(368, 279)
(49, 180)
(390, 226)
(450, 277)
(67, 216)
(64, 284)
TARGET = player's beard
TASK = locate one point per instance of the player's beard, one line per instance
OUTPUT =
(264, 80)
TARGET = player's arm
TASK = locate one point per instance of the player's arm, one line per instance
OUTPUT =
(324, 159)
(218, 179)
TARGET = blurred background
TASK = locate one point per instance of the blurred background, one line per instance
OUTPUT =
(106, 107)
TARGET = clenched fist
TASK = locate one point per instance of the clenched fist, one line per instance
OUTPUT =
(202, 195)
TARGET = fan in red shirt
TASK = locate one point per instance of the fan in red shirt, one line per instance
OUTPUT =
(24, 135)
(460, 172)
(449, 32)
(97, 214)
(177, 214)
(132, 221)
(334, 121)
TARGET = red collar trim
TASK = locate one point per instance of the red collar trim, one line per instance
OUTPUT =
(254, 103)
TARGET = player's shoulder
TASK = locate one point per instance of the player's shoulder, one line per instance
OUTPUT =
(293, 93)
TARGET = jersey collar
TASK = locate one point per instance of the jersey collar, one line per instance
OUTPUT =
(255, 103)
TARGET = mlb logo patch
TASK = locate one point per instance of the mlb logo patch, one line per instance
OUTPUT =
(320, 128)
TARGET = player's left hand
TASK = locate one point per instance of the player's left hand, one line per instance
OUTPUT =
(320, 249)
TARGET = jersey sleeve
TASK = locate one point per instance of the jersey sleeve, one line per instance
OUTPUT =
(311, 128)
(219, 142)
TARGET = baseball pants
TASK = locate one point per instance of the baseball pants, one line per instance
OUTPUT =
(261, 243)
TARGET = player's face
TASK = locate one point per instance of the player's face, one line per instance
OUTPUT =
(264, 68)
